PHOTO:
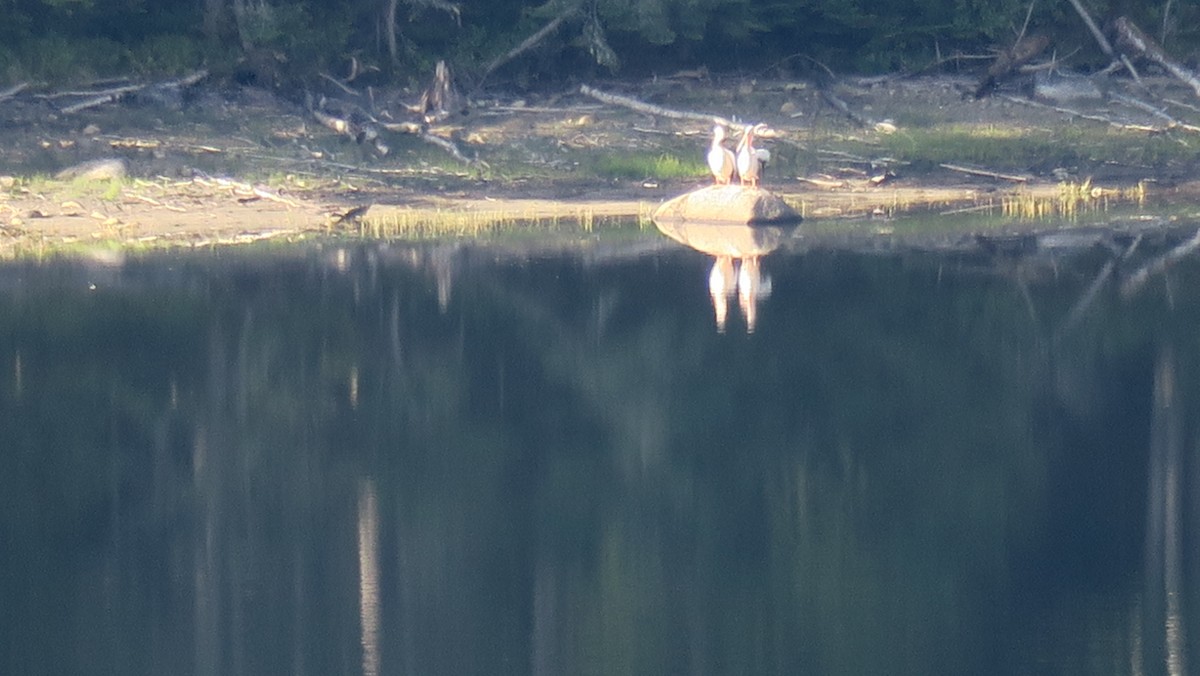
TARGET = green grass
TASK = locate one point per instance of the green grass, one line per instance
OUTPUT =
(644, 166)
(1009, 147)
(106, 189)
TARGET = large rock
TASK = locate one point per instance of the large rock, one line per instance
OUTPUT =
(728, 204)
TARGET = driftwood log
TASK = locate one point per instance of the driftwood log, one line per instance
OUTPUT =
(1130, 37)
(651, 109)
(972, 171)
(830, 97)
(99, 97)
(13, 90)
(438, 101)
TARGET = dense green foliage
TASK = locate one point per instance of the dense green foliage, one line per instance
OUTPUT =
(65, 39)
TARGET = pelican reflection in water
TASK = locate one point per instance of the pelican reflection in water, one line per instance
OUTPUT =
(754, 285)
(741, 277)
(722, 285)
(737, 250)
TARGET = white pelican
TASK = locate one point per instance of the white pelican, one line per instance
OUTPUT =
(750, 160)
(720, 158)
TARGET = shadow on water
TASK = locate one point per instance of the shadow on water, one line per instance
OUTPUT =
(943, 455)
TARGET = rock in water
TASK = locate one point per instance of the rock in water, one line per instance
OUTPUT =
(94, 170)
(728, 204)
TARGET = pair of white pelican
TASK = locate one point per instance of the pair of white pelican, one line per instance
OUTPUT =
(746, 163)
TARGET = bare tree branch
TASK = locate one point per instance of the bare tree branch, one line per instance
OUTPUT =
(528, 43)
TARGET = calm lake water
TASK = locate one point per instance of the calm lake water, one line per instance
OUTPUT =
(610, 455)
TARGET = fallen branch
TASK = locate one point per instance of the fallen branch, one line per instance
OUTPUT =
(350, 120)
(985, 173)
(825, 183)
(112, 91)
(1118, 60)
(539, 109)
(95, 101)
(403, 127)
(447, 145)
(339, 84)
(1161, 114)
(842, 107)
(651, 109)
(187, 80)
(1085, 116)
(13, 90)
(333, 123)
(385, 171)
(1186, 106)
(1132, 37)
(102, 96)
(245, 192)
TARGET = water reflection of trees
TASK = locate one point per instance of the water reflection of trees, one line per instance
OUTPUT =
(436, 462)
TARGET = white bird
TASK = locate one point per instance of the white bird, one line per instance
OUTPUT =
(720, 158)
(750, 160)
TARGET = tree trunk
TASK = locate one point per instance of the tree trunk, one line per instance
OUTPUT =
(214, 15)
(389, 19)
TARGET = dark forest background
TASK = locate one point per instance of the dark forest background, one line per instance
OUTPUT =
(398, 41)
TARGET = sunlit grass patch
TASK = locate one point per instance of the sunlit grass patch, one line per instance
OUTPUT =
(1071, 200)
(999, 146)
(108, 189)
(642, 165)
(989, 145)
(441, 223)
